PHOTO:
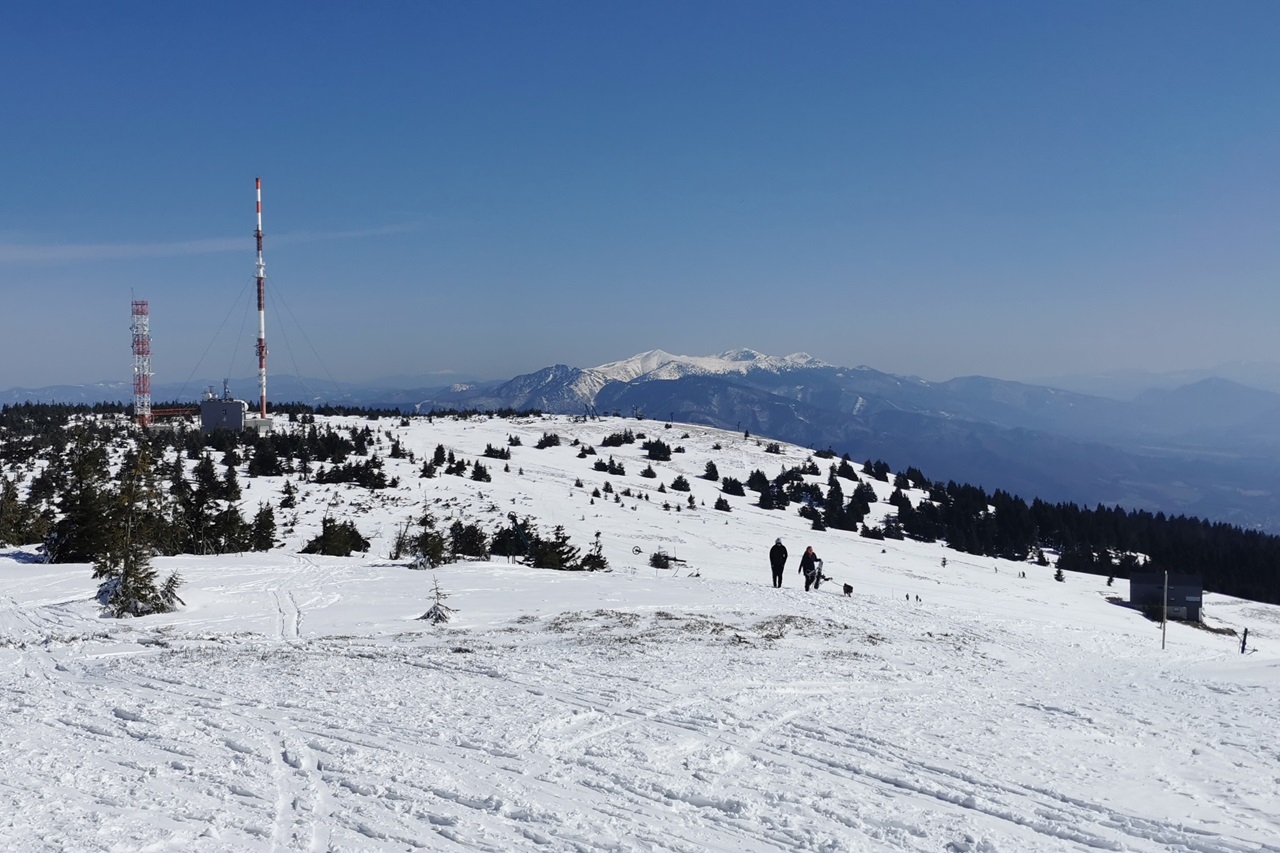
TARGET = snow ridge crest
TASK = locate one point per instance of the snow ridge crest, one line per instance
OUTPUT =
(658, 364)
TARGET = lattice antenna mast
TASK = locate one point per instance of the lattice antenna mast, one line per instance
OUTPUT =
(262, 313)
(141, 362)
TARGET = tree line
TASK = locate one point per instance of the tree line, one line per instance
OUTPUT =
(65, 450)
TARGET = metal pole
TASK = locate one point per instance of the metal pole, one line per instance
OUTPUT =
(141, 362)
(1164, 609)
(262, 314)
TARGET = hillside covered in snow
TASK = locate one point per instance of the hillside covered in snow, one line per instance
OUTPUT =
(298, 702)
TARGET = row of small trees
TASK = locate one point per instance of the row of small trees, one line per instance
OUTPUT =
(519, 538)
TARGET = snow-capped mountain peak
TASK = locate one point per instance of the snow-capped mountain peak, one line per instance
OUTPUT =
(657, 364)
(742, 355)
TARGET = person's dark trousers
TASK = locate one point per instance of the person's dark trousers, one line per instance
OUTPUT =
(777, 578)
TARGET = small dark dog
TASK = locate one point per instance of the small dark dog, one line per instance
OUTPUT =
(848, 590)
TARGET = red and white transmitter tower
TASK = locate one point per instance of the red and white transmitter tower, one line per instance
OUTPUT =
(262, 313)
(141, 362)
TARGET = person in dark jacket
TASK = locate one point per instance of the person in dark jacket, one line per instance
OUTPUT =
(778, 561)
(811, 566)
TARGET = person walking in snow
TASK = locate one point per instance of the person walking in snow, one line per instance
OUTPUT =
(778, 561)
(811, 567)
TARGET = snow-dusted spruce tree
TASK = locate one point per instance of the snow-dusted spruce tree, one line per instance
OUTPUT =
(128, 584)
(438, 612)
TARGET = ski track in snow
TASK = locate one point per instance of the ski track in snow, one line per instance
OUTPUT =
(594, 732)
(296, 704)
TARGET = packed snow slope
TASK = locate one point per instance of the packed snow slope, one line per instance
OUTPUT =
(297, 703)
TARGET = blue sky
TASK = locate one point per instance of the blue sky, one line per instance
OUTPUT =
(1010, 189)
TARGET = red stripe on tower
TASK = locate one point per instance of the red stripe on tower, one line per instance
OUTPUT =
(262, 314)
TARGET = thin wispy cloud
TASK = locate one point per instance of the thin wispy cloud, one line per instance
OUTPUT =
(59, 253)
(352, 234)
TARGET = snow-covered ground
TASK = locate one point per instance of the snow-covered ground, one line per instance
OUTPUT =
(297, 703)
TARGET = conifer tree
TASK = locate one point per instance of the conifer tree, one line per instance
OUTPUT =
(438, 612)
(206, 477)
(556, 552)
(79, 536)
(128, 584)
(834, 515)
(262, 536)
(264, 462)
(336, 539)
(230, 485)
(430, 545)
(230, 534)
(15, 516)
(594, 560)
(467, 540)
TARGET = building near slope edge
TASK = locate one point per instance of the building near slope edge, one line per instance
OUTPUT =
(1146, 590)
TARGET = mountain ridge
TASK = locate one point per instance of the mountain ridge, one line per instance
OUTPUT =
(1034, 440)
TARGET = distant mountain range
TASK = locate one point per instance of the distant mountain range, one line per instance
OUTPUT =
(1207, 448)
(390, 391)
(1127, 384)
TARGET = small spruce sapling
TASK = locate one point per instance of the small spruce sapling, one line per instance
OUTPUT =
(439, 612)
